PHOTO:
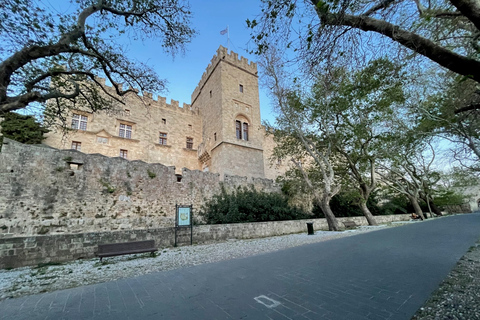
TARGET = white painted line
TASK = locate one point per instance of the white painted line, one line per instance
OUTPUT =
(269, 303)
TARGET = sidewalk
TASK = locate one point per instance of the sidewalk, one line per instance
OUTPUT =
(366, 276)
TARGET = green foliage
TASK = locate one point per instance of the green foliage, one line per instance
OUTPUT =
(344, 205)
(151, 174)
(449, 197)
(24, 129)
(399, 204)
(248, 205)
(109, 188)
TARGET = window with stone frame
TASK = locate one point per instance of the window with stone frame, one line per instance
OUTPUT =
(245, 131)
(189, 143)
(79, 122)
(125, 131)
(76, 145)
(238, 129)
(163, 138)
(240, 88)
(123, 153)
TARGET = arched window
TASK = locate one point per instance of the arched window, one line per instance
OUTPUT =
(241, 128)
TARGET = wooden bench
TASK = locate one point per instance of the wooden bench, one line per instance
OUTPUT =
(350, 224)
(118, 249)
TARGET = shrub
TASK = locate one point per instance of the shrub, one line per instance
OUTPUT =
(248, 205)
(343, 205)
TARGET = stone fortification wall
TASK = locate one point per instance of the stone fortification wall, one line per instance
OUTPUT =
(24, 251)
(49, 191)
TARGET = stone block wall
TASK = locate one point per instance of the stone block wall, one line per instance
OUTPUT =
(32, 250)
(49, 191)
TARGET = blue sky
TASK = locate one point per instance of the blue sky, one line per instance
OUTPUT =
(183, 72)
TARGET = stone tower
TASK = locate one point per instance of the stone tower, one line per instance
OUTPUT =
(228, 101)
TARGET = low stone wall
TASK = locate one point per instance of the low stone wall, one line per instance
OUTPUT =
(32, 250)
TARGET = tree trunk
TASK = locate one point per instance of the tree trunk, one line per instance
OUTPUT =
(367, 214)
(435, 209)
(327, 211)
(416, 206)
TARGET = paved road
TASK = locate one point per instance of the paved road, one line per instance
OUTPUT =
(386, 274)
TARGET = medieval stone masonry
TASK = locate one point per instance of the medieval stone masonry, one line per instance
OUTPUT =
(219, 132)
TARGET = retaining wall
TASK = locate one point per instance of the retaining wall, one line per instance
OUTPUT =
(32, 250)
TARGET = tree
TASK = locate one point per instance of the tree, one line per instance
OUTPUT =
(438, 117)
(24, 129)
(354, 112)
(409, 170)
(444, 31)
(50, 58)
(296, 140)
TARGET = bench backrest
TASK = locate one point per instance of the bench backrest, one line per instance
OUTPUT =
(349, 224)
(125, 246)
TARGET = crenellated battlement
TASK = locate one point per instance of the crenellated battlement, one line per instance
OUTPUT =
(151, 100)
(223, 55)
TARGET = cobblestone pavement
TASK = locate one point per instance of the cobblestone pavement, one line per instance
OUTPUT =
(375, 275)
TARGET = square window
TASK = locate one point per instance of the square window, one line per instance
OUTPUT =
(127, 112)
(79, 122)
(163, 138)
(241, 88)
(189, 143)
(76, 145)
(125, 131)
(164, 121)
(123, 153)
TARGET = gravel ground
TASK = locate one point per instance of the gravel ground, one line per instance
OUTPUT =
(458, 297)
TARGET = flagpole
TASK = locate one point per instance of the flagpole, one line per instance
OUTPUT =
(228, 38)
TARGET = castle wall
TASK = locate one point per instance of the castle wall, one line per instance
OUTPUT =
(148, 118)
(227, 92)
(273, 167)
(232, 159)
(50, 191)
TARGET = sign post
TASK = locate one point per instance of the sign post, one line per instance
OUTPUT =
(183, 219)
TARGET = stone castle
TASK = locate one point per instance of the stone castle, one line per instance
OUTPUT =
(219, 132)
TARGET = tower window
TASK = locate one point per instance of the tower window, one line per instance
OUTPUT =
(189, 143)
(127, 112)
(163, 138)
(164, 121)
(215, 136)
(245, 131)
(210, 93)
(241, 88)
(238, 129)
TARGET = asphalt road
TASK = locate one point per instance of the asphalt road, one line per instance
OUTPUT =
(385, 274)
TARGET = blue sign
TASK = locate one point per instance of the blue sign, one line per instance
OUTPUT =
(184, 216)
